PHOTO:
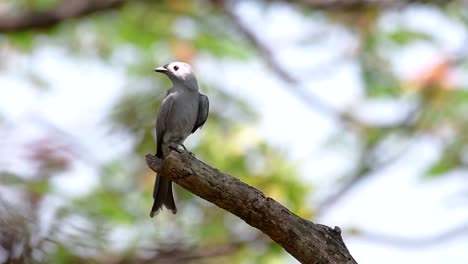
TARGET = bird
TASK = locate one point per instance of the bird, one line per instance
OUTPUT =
(183, 110)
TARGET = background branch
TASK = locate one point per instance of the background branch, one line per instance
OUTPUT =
(69, 9)
(306, 241)
(174, 255)
(353, 180)
(406, 242)
(348, 5)
(294, 84)
(65, 10)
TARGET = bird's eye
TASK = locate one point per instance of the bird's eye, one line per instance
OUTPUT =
(176, 68)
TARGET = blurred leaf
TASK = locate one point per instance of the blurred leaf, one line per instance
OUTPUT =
(7, 178)
(40, 4)
(106, 206)
(406, 36)
(376, 72)
(440, 168)
(22, 40)
(450, 159)
(40, 187)
(221, 47)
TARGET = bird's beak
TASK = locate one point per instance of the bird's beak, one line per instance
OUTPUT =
(160, 69)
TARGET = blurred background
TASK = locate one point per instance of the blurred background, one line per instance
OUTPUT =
(349, 113)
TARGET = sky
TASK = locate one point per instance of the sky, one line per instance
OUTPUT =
(395, 202)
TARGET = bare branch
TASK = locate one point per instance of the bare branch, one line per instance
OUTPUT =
(306, 241)
(65, 10)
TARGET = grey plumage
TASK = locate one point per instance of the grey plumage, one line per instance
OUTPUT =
(203, 108)
(182, 112)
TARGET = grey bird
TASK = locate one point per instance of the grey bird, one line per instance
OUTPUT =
(182, 112)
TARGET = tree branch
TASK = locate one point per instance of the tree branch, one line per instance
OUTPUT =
(306, 241)
(65, 10)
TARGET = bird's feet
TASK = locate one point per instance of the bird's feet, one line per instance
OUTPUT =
(175, 146)
(179, 147)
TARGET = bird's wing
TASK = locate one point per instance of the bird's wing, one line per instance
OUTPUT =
(161, 121)
(203, 109)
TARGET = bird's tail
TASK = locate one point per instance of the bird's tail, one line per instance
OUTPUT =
(162, 195)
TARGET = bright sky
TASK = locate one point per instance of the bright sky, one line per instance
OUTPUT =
(396, 202)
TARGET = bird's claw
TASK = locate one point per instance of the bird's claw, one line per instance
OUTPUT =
(179, 147)
(174, 146)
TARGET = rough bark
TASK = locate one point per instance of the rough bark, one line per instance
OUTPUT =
(306, 241)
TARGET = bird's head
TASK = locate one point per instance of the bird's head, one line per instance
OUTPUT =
(179, 73)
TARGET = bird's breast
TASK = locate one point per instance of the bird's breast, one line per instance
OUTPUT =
(182, 118)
